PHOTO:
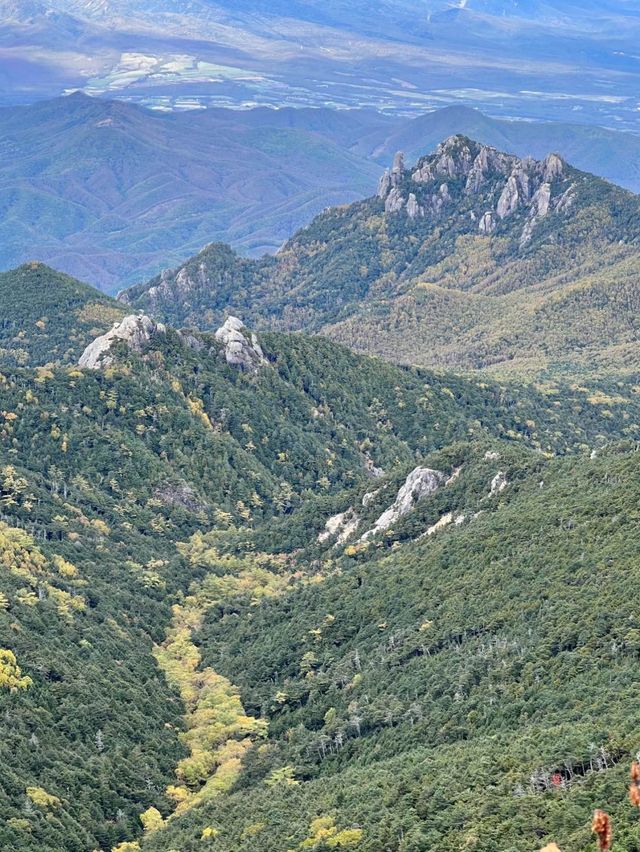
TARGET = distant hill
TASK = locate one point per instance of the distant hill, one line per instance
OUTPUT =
(113, 193)
(110, 192)
(470, 259)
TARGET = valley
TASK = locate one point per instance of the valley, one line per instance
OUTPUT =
(308, 649)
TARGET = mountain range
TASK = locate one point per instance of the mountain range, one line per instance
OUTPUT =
(113, 193)
(553, 59)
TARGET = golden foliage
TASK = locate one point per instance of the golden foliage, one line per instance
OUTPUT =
(42, 799)
(11, 677)
(218, 730)
(323, 833)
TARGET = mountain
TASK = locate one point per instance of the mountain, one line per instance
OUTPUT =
(112, 193)
(544, 60)
(261, 592)
(471, 259)
(102, 189)
(610, 154)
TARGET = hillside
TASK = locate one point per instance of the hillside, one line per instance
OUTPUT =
(146, 503)
(471, 259)
(46, 316)
(475, 689)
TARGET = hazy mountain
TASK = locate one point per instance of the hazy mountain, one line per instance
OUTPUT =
(111, 192)
(471, 258)
(549, 60)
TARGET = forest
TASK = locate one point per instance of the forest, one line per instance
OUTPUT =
(188, 662)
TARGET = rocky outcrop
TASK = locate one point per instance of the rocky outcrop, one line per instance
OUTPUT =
(180, 496)
(413, 208)
(241, 348)
(442, 522)
(384, 184)
(369, 497)
(461, 170)
(342, 526)
(487, 224)
(509, 198)
(498, 483)
(538, 210)
(394, 201)
(135, 330)
(421, 483)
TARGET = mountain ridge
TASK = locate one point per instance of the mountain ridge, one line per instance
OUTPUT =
(467, 221)
(95, 188)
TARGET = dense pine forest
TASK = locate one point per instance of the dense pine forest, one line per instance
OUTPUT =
(195, 656)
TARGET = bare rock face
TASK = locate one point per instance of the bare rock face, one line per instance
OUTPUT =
(509, 198)
(413, 208)
(241, 349)
(487, 223)
(394, 201)
(552, 167)
(342, 525)
(398, 164)
(539, 208)
(135, 330)
(384, 184)
(498, 483)
(421, 482)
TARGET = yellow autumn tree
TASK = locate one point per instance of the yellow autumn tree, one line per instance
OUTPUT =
(11, 677)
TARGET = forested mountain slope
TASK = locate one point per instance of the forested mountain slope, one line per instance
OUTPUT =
(470, 259)
(474, 689)
(160, 504)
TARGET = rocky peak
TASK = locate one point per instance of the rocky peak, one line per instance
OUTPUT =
(489, 185)
(390, 180)
(241, 348)
(136, 330)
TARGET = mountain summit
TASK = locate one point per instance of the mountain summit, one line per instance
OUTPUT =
(463, 170)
